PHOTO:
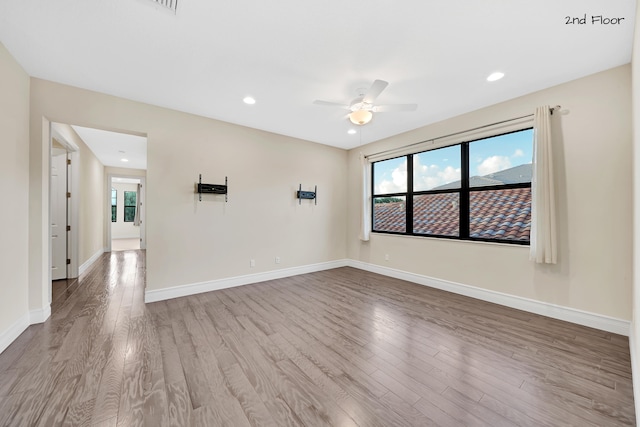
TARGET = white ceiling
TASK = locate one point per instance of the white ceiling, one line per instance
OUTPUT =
(211, 54)
(112, 147)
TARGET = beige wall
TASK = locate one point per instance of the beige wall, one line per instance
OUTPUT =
(92, 205)
(121, 229)
(124, 172)
(14, 187)
(592, 151)
(190, 241)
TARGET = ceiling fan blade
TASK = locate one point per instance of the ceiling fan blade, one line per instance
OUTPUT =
(330, 104)
(376, 88)
(395, 107)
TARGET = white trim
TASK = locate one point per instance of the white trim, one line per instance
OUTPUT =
(13, 331)
(74, 217)
(214, 285)
(635, 368)
(125, 236)
(584, 318)
(495, 129)
(66, 140)
(39, 316)
(85, 266)
(580, 317)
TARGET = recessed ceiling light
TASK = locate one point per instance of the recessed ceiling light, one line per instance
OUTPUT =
(352, 131)
(495, 76)
(249, 100)
(124, 160)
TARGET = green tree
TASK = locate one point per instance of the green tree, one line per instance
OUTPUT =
(387, 200)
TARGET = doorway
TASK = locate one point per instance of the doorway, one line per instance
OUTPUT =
(126, 219)
(59, 212)
(97, 154)
(63, 204)
(63, 208)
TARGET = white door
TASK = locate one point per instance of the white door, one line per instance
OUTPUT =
(59, 215)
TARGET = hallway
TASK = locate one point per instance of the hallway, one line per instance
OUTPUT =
(77, 359)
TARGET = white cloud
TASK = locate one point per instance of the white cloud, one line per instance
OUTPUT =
(428, 177)
(493, 164)
(518, 153)
(398, 182)
(425, 177)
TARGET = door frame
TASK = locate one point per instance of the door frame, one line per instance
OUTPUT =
(142, 205)
(73, 204)
(60, 157)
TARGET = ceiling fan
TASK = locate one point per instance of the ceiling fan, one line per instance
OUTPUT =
(362, 107)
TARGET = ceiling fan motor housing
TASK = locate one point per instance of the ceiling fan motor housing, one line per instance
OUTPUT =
(359, 104)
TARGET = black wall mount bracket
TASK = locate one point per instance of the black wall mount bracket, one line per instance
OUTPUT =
(212, 188)
(310, 195)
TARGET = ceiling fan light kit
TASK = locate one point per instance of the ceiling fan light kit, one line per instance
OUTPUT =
(360, 117)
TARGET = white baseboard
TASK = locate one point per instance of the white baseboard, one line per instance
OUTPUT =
(85, 266)
(584, 318)
(19, 326)
(635, 367)
(214, 285)
(13, 331)
(39, 316)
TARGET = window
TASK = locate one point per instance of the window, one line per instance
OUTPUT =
(129, 206)
(114, 205)
(476, 190)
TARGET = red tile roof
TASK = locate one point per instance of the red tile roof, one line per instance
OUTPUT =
(389, 217)
(436, 214)
(494, 214)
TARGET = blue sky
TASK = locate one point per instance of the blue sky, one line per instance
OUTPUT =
(438, 167)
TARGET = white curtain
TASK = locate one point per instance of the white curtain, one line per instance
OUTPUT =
(543, 249)
(136, 219)
(365, 217)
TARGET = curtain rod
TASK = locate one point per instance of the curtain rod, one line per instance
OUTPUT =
(551, 109)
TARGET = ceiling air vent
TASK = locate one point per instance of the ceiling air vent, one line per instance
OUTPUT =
(170, 4)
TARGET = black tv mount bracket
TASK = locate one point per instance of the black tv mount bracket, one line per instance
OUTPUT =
(212, 188)
(311, 195)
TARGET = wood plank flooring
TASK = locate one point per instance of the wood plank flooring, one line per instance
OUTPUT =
(336, 348)
(61, 290)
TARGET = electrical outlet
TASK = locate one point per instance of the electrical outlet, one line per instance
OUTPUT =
(277, 260)
(386, 257)
(252, 263)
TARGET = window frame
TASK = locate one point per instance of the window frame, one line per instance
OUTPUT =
(464, 195)
(114, 207)
(134, 206)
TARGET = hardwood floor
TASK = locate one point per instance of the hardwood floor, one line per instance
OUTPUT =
(61, 290)
(339, 348)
